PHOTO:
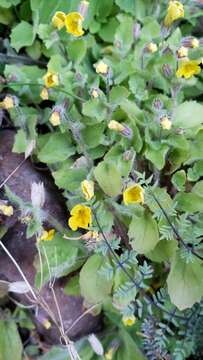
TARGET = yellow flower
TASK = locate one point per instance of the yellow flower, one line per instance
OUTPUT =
(55, 118)
(44, 94)
(73, 22)
(116, 126)
(182, 52)
(51, 79)
(175, 11)
(47, 235)
(88, 189)
(152, 47)
(58, 20)
(134, 194)
(188, 68)
(101, 68)
(8, 102)
(7, 210)
(109, 354)
(81, 217)
(128, 320)
(165, 123)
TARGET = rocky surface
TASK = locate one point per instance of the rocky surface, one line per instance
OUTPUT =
(24, 250)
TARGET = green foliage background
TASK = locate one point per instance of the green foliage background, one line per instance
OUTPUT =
(160, 280)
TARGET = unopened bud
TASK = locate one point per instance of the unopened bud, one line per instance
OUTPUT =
(9, 102)
(55, 118)
(190, 42)
(136, 31)
(152, 47)
(157, 104)
(165, 123)
(167, 71)
(95, 93)
(83, 7)
(182, 52)
(44, 94)
(101, 68)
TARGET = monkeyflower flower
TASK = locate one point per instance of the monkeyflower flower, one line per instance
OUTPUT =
(73, 23)
(47, 235)
(81, 217)
(175, 11)
(51, 79)
(134, 194)
(188, 68)
(128, 320)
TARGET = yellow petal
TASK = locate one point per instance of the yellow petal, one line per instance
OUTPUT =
(58, 20)
(133, 195)
(73, 23)
(88, 189)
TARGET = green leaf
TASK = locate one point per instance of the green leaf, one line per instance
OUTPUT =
(189, 202)
(21, 142)
(163, 251)
(124, 160)
(95, 108)
(143, 233)
(9, 3)
(56, 148)
(117, 94)
(198, 188)
(77, 50)
(92, 285)
(184, 282)
(157, 154)
(132, 110)
(10, 342)
(22, 35)
(93, 135)
(108, 178)
(128, 347)
(188, 115)
(107, 31)
(124, 33)
(179, 179)
(127, 6)
(72, 287)
(68, 178)
(62, 258)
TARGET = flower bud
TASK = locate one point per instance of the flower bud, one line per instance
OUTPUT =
(95, 93)
(55, 118)
(190, 42)
(182, 52)
(167, 71)
(123, 129)
(151, 47)
(9, 102)
(136, 31)
(44, 94)
(101, 68)
(83, 7)
(165, 123)
(157, 104)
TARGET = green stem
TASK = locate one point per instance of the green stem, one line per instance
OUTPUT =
(58, 89)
